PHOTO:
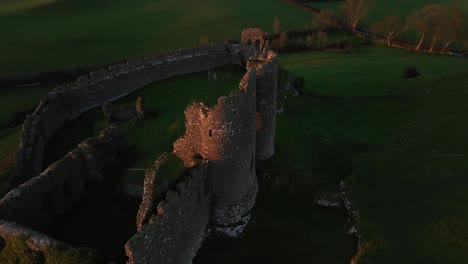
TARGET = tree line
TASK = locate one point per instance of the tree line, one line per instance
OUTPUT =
(438, 26)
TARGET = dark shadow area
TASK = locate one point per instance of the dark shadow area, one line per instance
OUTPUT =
(102, 219)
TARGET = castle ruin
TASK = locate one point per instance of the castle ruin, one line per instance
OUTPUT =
(207, 183)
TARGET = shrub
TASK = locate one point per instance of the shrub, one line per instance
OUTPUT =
(410, 72)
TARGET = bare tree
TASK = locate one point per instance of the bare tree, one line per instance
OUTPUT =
(355, 10)
(440, 22)
(453, 23)
(326, 18)
(419, 22)
(276, 25)
(310, 41)
(390, 27)
(283, 40)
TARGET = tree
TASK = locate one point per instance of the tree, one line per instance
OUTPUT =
(355, 10)
(322, 37)
(453, 23)
(419, 22)
(283, 40)
(326, 18)
(204, 40)
(440, 22)
(276, 25)
(310, 41)
(390, 27)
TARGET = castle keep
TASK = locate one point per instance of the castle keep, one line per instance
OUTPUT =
(207, 183)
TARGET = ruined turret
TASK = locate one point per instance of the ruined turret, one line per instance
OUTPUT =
(252, 35)
(224, 136)
(267, 91)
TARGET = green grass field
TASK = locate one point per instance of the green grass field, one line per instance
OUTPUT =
(58, 34)
(403, 141)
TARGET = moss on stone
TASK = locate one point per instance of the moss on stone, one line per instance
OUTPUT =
(63, 254)
(15, 251)
(168, 168)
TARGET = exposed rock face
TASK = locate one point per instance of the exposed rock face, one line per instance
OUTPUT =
(176, 232)
(37, 202)
(106, 85)
(267, 93)
(225, 136)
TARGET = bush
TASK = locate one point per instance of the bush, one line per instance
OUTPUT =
(410, 72)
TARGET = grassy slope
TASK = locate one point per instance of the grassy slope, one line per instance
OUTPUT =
(409, 184)
(412, 193)
(62, 34)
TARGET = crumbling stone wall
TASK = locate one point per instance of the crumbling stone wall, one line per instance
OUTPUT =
(177, 229)
(225, 136)
(252, 35)
(266, 69)
(159, 179)
(117, 113)
(219, 149)
(105, 85)
(36, 203)
(21, 245)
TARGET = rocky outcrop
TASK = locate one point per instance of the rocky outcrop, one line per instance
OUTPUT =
(39, 201)
(175, 233)
(106, 85)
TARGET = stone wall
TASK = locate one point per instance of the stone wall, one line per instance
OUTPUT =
(215, 158)
(266, 68)
(177, 229)
(225, 136)
(219, 149)
(253, 35)
(105, 85)
(125, 112)
(36, 203)
(159, 179)
(22, 245)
